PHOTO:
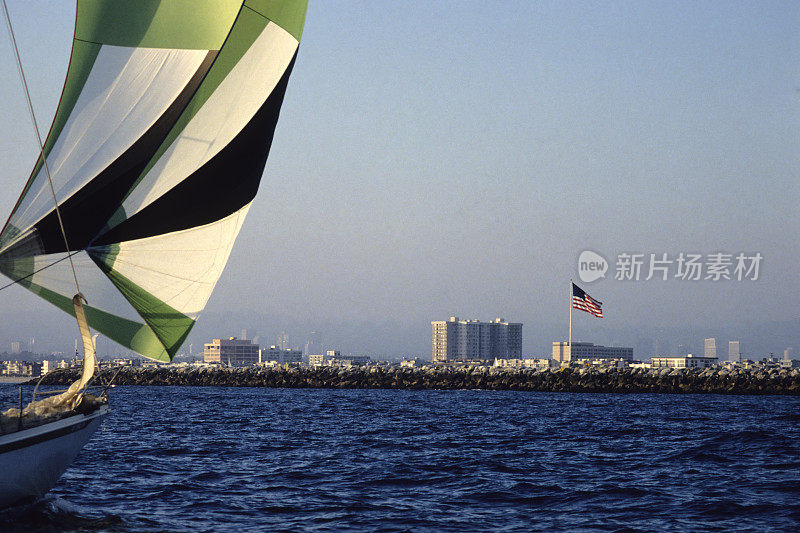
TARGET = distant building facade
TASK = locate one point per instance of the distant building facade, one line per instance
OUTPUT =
(710, 348)
(231, 351)
(21, 368)
(733, 351)
(460, 340)
(348, 360)
(537, 363)
(565, 353)
(685, 361)
(335, 357)
(280, 355)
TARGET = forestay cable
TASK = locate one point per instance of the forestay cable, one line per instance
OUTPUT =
(39, 139)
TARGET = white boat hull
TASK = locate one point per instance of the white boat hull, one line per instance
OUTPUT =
(32, 460)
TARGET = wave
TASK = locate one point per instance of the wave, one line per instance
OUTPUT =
(56, 514)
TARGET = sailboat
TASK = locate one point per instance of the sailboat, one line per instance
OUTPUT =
(153, 159)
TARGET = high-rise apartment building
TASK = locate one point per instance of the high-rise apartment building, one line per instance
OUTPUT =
(231, 352)
(733, 351)
(458, 340)
(710, 347)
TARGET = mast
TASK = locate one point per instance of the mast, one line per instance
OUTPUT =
(569, 344)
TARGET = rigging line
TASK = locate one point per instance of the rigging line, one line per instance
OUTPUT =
(39, 139)
(14, 282)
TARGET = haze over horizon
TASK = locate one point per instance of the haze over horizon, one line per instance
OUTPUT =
(440, 160)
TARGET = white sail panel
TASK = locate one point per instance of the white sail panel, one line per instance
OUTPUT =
(179, 269)
(223, 116)
(127, 90)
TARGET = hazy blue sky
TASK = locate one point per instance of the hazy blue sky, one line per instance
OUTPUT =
(454, 158)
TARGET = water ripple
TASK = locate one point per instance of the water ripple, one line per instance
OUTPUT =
(219, 459)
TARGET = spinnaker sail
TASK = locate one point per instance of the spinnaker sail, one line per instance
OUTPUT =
(155, 154)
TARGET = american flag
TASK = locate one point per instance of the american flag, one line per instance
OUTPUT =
(584, 302)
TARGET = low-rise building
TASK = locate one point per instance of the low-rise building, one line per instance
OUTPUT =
(413, 362)
(122, 361)
(599, 363)
(292, 356)
(530, 362)
(281, 356)
(685, 361)
(564, 352)
(349, 360)
(231, 352)
(23, 368)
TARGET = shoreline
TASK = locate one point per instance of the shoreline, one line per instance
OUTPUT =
(14, 380)
(782, 381)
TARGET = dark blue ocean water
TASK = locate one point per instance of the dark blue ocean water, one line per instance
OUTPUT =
(227, 459)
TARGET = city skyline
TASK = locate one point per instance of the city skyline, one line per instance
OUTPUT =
(475, 157)
(416, 342)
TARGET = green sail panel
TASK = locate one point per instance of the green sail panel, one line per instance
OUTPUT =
(290, 16)
(182, 24)
(168, 324)
(150, 217)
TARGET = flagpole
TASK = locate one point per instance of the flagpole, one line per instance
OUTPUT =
(570, 321)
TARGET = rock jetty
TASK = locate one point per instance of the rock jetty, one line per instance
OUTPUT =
(639, 380)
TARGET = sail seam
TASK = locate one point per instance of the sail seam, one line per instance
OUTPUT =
(257, 12)
(89, 42)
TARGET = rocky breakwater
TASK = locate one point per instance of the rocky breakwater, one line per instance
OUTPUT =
(639, 380)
